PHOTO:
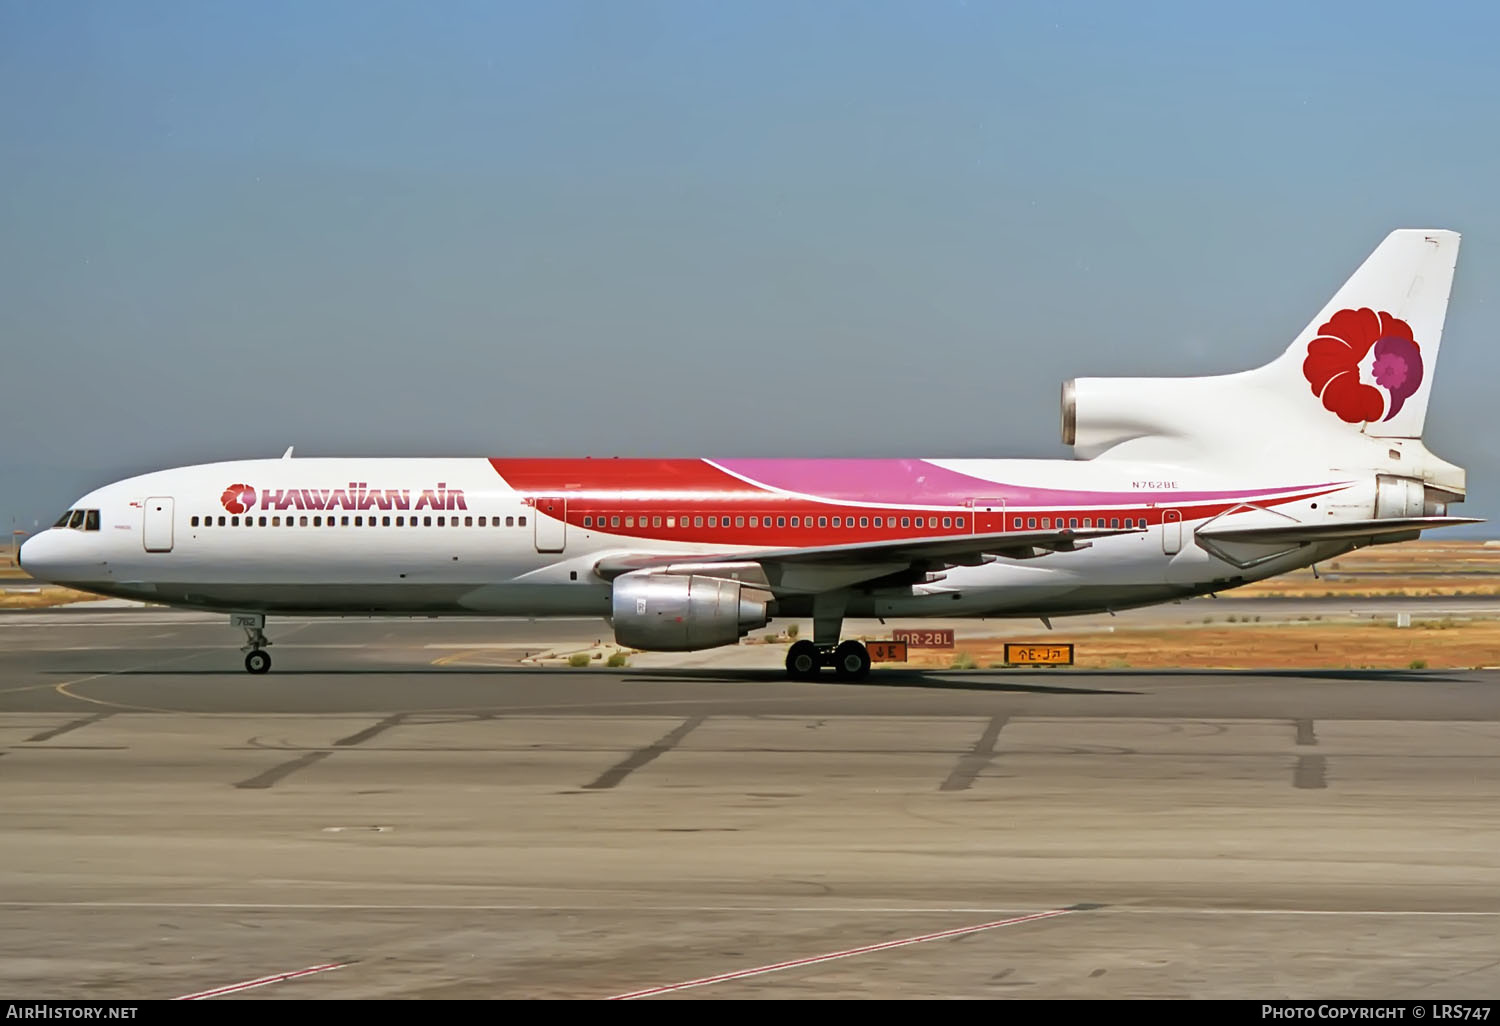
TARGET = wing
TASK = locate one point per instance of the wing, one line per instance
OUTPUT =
(819, 568)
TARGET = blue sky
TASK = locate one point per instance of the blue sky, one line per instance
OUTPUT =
(735, 229)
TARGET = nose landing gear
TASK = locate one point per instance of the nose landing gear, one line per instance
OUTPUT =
(257, 659)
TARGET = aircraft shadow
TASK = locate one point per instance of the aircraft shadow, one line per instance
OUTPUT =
(1034, 681)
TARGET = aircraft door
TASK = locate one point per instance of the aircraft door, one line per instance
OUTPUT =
(1171, 531)
(551, 524)
(156, 530)
(989, 514)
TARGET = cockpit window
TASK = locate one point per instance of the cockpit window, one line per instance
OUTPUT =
(91, 520)
(77, 518)
(62, 521)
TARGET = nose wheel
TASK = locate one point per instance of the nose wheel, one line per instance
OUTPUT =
(257, 659)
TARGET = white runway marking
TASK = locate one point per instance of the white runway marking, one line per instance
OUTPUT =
(816, 959)
(235, 988)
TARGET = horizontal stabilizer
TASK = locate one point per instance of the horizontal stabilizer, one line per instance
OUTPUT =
(1344, 529)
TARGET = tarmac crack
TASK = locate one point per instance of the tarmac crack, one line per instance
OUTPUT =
(48, 735)
(276, 774)
(972, 762)
(361, 736)
(641, 756)
(1311, 772)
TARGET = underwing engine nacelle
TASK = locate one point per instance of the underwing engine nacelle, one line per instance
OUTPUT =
(662, 612)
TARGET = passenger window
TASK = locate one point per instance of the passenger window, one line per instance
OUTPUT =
(1030, 522)
(671, 521)
(864, 521)
(317, 521)
(343, 521)
(838, 521)
(482, 521)
(781, 521)
(262, 521)
(587, 521)
(1046, 522)
(614, 521)
(906, 522)
(947, 521)
(630, 521)
(1088, 521)
(1114, 522)
(511, 521)
(822, 521)
(385, 521)
(754, 522)
(697, 521)
(360, 521)
(739, 521)
(276, 521)
(441, 522)
(194, 522)
(303, 521)
(426, 521)
(1073, 522)
(958, 522)
(469, 521)
(713, 521)
(523, 522)
(921, 522)
(656, 521)
(879, 522)
(794, 522)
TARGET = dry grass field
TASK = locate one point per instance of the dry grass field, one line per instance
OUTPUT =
(1437, 644)
(1409, 568)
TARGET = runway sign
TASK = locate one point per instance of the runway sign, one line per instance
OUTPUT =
(925, 638)
(1038, 655)
(887, 651)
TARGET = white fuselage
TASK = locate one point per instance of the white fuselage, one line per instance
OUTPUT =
(456, 536)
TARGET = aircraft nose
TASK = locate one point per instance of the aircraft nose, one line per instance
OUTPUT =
(38, 555)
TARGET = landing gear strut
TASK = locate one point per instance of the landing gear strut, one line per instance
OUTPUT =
(850, 660)
(257, 659)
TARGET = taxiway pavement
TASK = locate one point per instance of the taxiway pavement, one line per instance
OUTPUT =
(405, 808)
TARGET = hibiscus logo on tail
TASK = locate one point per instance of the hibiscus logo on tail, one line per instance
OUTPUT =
(1354, 348)
(238, 497)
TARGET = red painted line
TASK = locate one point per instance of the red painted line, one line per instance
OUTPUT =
(261, 982)
(867, 949)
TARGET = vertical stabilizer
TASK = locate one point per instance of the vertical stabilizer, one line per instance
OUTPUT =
(1368, 358)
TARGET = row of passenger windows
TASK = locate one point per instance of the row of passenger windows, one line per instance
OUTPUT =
(1031, 522)
(79, 520)
(615, 520)
(359, 521)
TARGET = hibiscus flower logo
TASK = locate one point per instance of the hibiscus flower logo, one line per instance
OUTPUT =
(1355, 348)
(238, 497)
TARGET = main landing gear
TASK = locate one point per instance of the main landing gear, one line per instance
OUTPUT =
(850, 660)
(257, 659)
